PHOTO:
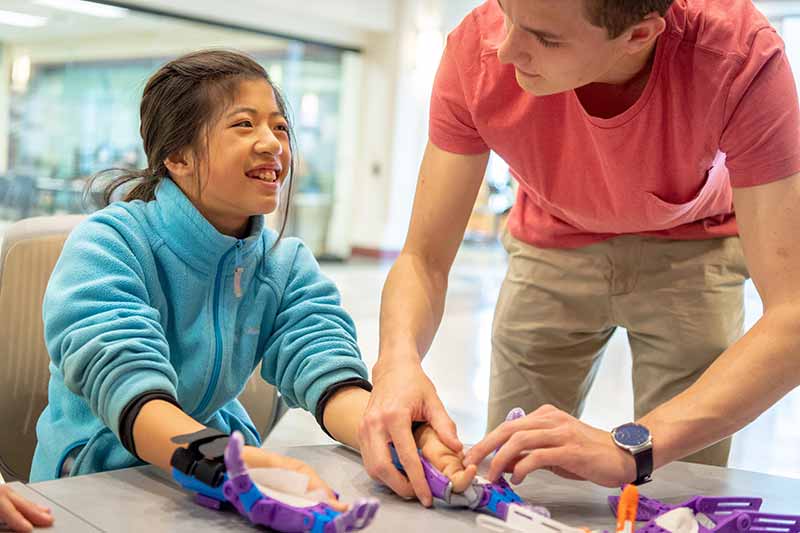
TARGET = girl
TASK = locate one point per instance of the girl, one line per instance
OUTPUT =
(162, 305)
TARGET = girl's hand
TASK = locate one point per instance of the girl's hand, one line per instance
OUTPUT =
(260, 458)
(19, 514)
(445, 460)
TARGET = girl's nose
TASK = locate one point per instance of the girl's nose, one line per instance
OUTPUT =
(269, 143)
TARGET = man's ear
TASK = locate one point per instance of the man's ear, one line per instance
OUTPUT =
(180, 165)
(645, 32)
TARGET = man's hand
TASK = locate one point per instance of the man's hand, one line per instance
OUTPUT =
(552, 439)
(445, 460)
(401, 394)
(21, 515)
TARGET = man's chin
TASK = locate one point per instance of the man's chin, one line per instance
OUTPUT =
(536, 85)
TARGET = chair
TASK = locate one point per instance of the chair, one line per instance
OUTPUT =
(28, 252)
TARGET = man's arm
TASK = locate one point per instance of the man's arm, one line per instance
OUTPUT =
(764, 365)
(743, 382)
(413, 297)
(411, 309)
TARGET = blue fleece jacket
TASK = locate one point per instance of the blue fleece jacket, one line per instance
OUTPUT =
(144, 298)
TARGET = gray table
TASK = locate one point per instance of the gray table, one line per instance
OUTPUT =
(145, 500)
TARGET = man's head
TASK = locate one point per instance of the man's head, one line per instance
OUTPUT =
(559, 45)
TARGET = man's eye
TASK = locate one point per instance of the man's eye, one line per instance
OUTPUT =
(244, 124)
(546, 43)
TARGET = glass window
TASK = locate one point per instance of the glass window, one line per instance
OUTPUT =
(69, 103)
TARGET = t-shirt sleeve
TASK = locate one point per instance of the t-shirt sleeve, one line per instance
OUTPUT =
(761, 137)
(451, 126)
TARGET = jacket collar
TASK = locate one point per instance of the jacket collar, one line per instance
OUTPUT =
(189, 235)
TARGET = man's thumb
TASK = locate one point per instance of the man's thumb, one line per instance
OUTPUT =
(444, 426)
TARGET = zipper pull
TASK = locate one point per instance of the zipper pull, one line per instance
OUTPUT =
(237, 273)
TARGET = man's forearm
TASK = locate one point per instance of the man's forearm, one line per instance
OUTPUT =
(412, 304)
(748, 378)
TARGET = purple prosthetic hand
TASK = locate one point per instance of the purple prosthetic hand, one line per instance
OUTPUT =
(716, 515)
(212, 467)
(262, 506)
(482, 495)
(650, 508)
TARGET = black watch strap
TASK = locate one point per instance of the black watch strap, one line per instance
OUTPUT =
(644, 466)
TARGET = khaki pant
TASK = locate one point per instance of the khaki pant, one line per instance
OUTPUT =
(682, 303)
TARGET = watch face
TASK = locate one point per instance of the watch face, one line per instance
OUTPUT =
(632, 434)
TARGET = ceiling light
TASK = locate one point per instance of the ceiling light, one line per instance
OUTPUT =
(20, 73)
(86, 8)
(13, 18)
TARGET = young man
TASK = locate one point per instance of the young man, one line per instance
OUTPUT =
(633, 128)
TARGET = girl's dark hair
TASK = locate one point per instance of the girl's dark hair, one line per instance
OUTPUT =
(179, 104)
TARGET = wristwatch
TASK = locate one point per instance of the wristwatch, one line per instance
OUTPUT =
(636, 440)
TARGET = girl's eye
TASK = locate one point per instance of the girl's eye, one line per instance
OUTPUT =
(546, 43)
(243, 123)
(282, 127)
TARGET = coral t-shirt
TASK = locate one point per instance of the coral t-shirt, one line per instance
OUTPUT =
(719, 110)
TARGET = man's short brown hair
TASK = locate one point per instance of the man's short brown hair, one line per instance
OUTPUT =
(616, 16)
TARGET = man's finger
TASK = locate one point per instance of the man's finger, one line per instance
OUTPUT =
(490, 442)
(498, 437)
(445, 428)
(406, 448)
(536, 459)
(519, 443)
(378, 462)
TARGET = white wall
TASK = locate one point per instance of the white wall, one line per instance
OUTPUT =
(399, 71)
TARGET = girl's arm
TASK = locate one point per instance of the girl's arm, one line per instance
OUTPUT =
(158, 421)
(153, 429)
(343, 413)
(312, 346)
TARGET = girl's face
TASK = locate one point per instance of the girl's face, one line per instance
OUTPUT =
(246, 164)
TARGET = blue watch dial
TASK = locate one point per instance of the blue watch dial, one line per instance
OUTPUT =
(632, 434)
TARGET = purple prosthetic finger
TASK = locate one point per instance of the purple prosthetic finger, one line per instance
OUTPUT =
(359, 516)
(514, 414)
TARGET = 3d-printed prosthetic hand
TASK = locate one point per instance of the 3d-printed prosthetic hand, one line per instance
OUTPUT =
(482, 495)
(212, 467)
(714, 515)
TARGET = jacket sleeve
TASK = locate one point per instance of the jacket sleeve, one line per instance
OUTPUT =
(313, 342)
(102, 334)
